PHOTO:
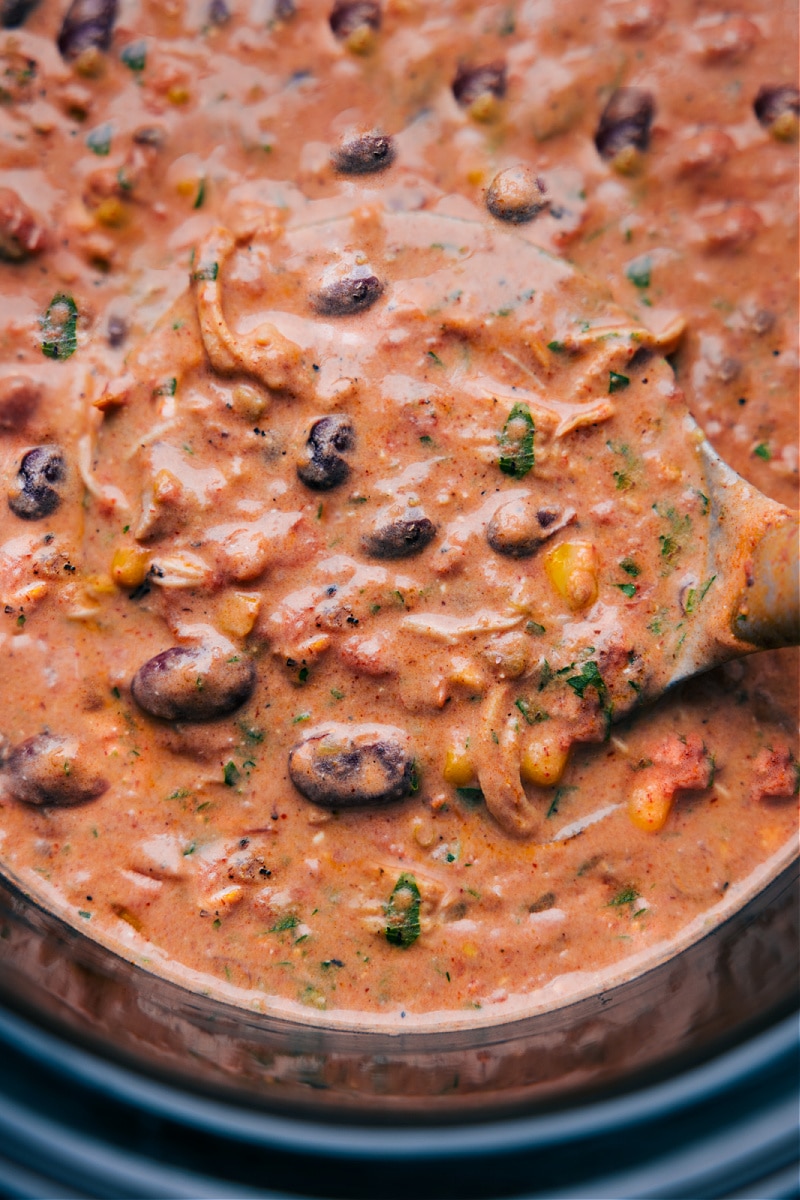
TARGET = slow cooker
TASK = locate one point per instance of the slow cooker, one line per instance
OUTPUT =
(681, 1081)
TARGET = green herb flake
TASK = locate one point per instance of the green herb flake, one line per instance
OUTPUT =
(426, 439)
(628, 589)
(471, 796)
(556, 347)
(402, 913)
(231, 774)
(87, 916)
(134, 55)
(534, 627)
(207, 271)
(304, 716)
(200, 198)
(706, 586)
(168, 388)
(337, 694)
(639, 271)
(21, 620)
(617, 382)
(99, 140)
(589, 677)
(435, 357)
(190, 849)
(626, 896)
(516, 442)
(290, 921)
(630, 568)
(555, 803)
(533, 716)
(59, 327)
(763, 451)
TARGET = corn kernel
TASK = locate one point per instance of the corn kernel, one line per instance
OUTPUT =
(186, 187)
(247, 402)
(129, 566)
(476, 176)
(466, 674)
(127, 916)
(112, 212)
(178, 94)
(544, 761)
(224, 899)
(458, 769)
(31, 594)
(99, 585)
(469, 950)
(239, 613)
(572, 570)
(649, 806)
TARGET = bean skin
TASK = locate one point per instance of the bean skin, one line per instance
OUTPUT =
(520, 526)
(36, 490)
(772, 102)
(363, 154)
(324, 466)
(14, 13)
(625, 121)
(349, 15)
(400, 538)
(88, 24)
(345, 296)
(472, 82)
(50, 770)
(194, 683)
(19, 399)
(348, 766)
(516, 195)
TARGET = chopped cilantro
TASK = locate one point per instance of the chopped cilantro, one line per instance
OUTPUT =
(168, 388)
(59, 327)
(472, 796)
(532, 715)
(516, 442)
(207, 271)
(199, 199)
(402, 912)
(589, 677)
(231, 774)
(134, 55)
(630, 567)
(626, 896)
(435, 357)
(556, 347)
(99, 140)
(290, 921)
(629, 589)
(534, 627)
(639, 271)
(617, 382)
(762, 450)
(561, 792)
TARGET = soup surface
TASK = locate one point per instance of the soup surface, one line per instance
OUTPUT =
(349, 525)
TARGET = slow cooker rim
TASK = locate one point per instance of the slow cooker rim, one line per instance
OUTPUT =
(695, 1085)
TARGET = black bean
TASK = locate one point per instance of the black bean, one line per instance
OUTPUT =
(149, 135)
(344, 766)
(363, 153)
(625, 121)
(324, 466)
(14, 13)
(19, 398)
(519, 526)
(344, 296)
(349, 15)
(472, 82)
(47, 769)
(117, 331)
(88, 24)
(773, 102)
(36, 490)
(400, 538)
(218, 12)
(194, 683)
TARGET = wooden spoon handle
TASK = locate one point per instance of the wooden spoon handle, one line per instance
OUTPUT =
(767, 612)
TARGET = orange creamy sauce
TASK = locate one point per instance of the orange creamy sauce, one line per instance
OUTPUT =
(408, 499)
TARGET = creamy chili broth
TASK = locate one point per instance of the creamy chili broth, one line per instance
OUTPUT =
(345, 512)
